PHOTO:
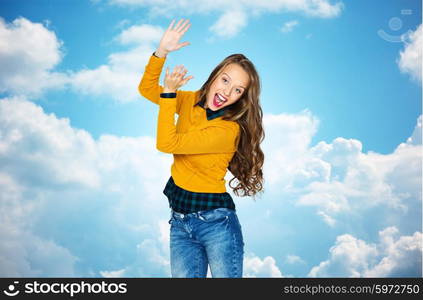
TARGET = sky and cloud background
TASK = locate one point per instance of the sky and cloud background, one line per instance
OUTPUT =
(81, 180)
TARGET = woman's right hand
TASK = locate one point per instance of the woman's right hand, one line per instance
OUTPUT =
(171, 37)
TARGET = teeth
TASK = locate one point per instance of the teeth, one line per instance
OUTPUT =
(221, 98)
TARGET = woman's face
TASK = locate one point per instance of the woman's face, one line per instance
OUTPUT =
(228, 87)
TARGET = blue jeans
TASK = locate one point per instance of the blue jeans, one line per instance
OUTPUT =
(209, 237)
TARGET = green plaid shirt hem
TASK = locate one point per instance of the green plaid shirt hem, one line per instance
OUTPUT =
(186, 202)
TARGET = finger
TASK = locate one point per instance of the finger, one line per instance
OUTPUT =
(183, 25)
(171, 24)
(185, 29)
(175, 71)
(177, 25)
(187, 79)
(179, 46)
(167, 72)
(180, 70)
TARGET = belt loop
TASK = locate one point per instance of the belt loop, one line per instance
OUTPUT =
(200, 216)
(177, 214)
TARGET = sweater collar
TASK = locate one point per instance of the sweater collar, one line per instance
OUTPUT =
(210, 113)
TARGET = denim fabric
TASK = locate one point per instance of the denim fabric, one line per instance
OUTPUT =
(209, 237)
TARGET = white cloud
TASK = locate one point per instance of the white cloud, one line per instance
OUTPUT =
(294, 259)
(338, 178)
(402, 257)
(317, 8)
(113, 274)
(391, 257)
(229, 24)
(234, 14)
(285, 153)
(254, 266)
(152, 257)
(52, 173)
(28, 54)
(416, 137)
(349, 257)
(49, 151)
(410, 60)
(322, 8)
(152, 262)
(23, 253)
(289, 26)
(140, 34)
(119, 78)
(326, 218)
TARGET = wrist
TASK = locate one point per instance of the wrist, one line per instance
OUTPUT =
(167, 95)
(160, 53)
(168, 90)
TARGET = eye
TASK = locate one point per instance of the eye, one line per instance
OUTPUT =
(224, 80)
(238, 91)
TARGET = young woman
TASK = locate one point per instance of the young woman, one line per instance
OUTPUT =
(219, 127)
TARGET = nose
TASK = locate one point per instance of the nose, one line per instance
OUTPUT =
(227, 91)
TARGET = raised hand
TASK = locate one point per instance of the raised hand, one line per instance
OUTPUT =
(176, 79)
(170, 39)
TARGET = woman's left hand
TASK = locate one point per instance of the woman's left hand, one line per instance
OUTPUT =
(173, 81)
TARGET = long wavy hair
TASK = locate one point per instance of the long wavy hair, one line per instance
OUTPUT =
(247, 163)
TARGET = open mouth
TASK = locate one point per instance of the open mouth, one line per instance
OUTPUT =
(219, 100)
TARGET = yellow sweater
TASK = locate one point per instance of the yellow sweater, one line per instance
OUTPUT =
(202, 149)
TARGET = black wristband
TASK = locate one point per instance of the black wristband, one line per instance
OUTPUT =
(168, 95)
(154, 54)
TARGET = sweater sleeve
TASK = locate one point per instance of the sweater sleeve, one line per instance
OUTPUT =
(218, 137)
(149, 86)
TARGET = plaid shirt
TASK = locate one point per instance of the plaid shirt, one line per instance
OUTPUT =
(183, 201)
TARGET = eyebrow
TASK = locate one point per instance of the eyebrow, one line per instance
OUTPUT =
(231, 79)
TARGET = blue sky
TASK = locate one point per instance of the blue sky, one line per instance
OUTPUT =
(81, 178)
